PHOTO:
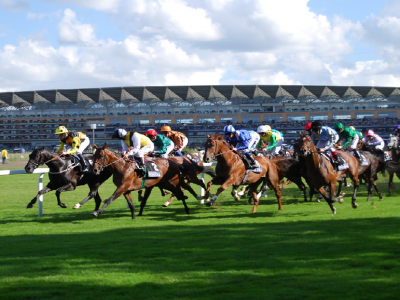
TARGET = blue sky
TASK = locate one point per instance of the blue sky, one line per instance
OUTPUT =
(58, 44)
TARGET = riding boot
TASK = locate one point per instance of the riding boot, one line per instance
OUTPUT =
(254, 163)
(141, 167)
(357, 155)
(84, 164)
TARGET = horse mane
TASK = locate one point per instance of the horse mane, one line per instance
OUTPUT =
(217, 137)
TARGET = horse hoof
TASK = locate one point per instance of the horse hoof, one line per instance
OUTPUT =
(236, 198)
(199, 197)
(202, 201)
(354, 205)
(340, 201)
(334, 211)
(29, 205)
(94, 213)
(62, 205)
(165, 204)
(76, 206)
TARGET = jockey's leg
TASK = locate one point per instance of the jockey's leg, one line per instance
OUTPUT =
(84, 164)
(254, 163)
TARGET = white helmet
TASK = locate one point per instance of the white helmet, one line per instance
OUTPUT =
(370, 133)
(119, 133)
(263, 128)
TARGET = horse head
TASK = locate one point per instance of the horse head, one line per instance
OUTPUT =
(393, 142)
(214, 146)
(100, 158)
(305, 145)
(39, 156)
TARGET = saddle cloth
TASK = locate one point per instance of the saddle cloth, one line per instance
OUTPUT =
(341, 165)
(152, 170)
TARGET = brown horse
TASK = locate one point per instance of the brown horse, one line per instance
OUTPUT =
(393, 166)
(230, 171)
(321, 173)
(126, 178)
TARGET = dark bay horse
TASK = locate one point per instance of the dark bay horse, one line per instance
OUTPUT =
(321, 173)
(230, 171)
(127, 180)
(64, 176)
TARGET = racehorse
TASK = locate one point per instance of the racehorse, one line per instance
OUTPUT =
(64, 176)
(126, 178)
(393, 166)
(230, 171)
(321, 173)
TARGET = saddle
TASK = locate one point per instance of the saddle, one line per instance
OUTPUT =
(339, 164)
(248, 166)
(76, 160)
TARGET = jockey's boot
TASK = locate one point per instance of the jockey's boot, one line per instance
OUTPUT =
(335, 157)
(357, 155)
(254, 163)
(141, 167)
(84, 164)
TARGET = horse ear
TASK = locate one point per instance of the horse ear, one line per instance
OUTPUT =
(208, 136)
(300, 133)
(104, 146)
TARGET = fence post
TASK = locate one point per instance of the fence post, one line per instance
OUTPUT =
(40, 187)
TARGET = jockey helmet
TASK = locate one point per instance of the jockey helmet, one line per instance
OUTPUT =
(397, 127)
(307, 126)
(338, 126)
(166, 128)
(316, 125)
(229, 129)
(263, 128)
(61, 130)
(119, 133)
(370, 133)
(151, 132)
(352, 127)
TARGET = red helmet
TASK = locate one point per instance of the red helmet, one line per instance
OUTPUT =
(151, 132)
(307, 126)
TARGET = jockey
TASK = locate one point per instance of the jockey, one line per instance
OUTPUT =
(163, 144)
(134, 144)
(307, 129)
(373, 140)
(272, 136)
(349, 138)
(76, 143)
(242, 140)
(324, 138)
(178, 138)
(359, 133)
(397, 130)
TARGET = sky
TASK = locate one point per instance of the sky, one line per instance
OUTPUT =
(74, 44)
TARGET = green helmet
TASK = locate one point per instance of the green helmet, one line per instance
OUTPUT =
(338, 126)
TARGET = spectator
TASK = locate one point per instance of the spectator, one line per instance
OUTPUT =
(4, 156)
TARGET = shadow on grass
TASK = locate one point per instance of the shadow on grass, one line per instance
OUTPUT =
(356, 258)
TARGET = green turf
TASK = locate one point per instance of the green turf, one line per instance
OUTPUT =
(302, 252)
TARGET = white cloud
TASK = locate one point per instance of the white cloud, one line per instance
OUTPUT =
(73, 31)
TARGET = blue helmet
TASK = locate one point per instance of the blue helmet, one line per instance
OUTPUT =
(229, 128)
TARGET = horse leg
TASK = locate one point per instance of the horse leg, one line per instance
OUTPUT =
(391, 175)
(65, 188)
(235, 193)
(144, 200)
(176, 190)
(92, 193)
(216, 180)
(128, 198)
(41, 192)
(118, 192)
(376, 189)
(222, 188)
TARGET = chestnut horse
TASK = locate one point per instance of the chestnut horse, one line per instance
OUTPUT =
(393, 166)
(127, 180)
(230, 171)
(64, 176)
(321, 173)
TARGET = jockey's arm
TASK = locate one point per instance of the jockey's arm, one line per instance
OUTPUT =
(61, 148)
(76, 142)
(272, 142)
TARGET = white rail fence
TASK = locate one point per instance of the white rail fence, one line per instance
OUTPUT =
(42, 171)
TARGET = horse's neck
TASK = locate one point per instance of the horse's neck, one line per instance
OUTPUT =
(225, 155)
(55, 163)
(314, 157)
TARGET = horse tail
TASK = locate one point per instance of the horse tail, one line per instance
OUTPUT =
(207, 170)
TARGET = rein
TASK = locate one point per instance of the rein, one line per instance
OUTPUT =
(105, 166)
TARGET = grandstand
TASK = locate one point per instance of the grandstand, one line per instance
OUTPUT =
(29, 118)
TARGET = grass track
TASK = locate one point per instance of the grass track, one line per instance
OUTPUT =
(302, 252)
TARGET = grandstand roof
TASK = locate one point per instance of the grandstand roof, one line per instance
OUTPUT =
(153, 95)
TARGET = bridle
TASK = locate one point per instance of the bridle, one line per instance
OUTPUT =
(218, 154)
(39, 164)
(103, 165)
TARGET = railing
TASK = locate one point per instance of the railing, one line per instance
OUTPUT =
(41, 172)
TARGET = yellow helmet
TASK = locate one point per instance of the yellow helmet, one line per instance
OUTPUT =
(351, 127)
(61, 130)
(268, 128)
(166, 128)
